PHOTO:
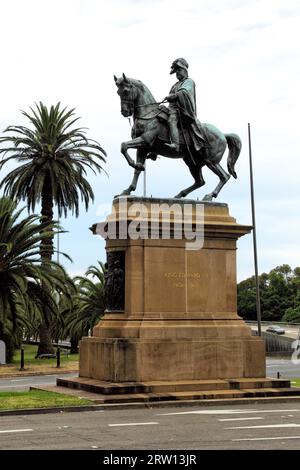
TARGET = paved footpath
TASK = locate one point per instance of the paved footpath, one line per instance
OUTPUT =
(19, 384)
(259, 426)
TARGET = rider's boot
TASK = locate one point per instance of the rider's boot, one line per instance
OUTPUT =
(174, 134)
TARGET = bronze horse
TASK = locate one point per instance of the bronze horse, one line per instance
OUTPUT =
(150, 133)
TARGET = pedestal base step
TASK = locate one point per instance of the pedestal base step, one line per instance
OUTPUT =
(161, 387)
(172, 397)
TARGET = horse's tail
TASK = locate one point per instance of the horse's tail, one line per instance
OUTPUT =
(234, 145)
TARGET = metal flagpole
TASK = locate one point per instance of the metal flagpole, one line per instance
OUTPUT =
(258, 311)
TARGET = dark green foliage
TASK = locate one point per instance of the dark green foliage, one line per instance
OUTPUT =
(279, 292)
(85, 309)
(53, 161)
(292, 315)
(51, 156)
(26, 284)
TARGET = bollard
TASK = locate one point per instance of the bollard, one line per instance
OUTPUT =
(278, 375)
(22, 359)
(58, 357)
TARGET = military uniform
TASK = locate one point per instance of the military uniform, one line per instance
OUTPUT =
(182, 109)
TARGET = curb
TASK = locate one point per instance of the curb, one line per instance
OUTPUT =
(37, 411)
(149, 405)
(34, 374)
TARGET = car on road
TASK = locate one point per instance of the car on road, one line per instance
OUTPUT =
(275, 329)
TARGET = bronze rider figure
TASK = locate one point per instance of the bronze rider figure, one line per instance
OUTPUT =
(182, 108)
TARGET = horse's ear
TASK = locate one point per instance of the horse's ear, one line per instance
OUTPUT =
(125, 78)
(115, 78)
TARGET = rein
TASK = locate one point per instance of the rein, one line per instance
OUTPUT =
(149, 104)
(145, 118)
(133, 107)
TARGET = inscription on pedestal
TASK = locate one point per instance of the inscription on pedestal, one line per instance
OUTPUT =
(179, 278)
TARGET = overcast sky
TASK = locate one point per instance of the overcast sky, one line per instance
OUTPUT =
(244, 58)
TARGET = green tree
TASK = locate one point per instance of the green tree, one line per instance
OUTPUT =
(247, 299)
(292, 315)
(279, 293)
(22, 276)
(86, 308)
(53, 161)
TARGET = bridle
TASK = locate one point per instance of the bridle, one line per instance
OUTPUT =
(132, 107)
(129, 101)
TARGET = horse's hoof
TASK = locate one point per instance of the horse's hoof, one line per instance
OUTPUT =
(208, 197)
(179, 196)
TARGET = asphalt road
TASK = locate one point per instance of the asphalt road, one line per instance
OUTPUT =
(290, 331)
(262, 426)
(285, 367)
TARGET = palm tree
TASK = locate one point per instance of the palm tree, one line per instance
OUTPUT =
(91, 300)
(88, 305)
(54, 159)
(23, 277)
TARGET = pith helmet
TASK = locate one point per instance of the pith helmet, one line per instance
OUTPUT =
(182, 63)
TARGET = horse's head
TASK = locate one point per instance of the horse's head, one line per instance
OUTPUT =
(128, 93)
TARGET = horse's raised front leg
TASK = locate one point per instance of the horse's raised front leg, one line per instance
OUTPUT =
(140, 160)
(133, 144)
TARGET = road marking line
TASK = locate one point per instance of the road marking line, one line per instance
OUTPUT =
(277, 364)
(132, 424)
(16, 430)
(283, 438)
(239, 419)
(289, 425)
(19, 380)
(225, 412)
(204, 412)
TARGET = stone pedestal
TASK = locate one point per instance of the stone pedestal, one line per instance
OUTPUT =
(179, 320)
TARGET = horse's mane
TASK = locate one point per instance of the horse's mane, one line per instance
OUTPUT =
(141, 86)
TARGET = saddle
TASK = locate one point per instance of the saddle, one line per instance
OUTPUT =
(164, 113)
(184, 131)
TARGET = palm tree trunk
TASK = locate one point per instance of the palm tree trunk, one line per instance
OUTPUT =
(45, 344)
(74, 344)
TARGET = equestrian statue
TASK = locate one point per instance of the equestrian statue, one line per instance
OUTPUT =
(174, 131)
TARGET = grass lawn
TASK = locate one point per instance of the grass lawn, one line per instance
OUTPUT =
(37, 399)
(30, 353)
(32, 365)
(295, 382)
